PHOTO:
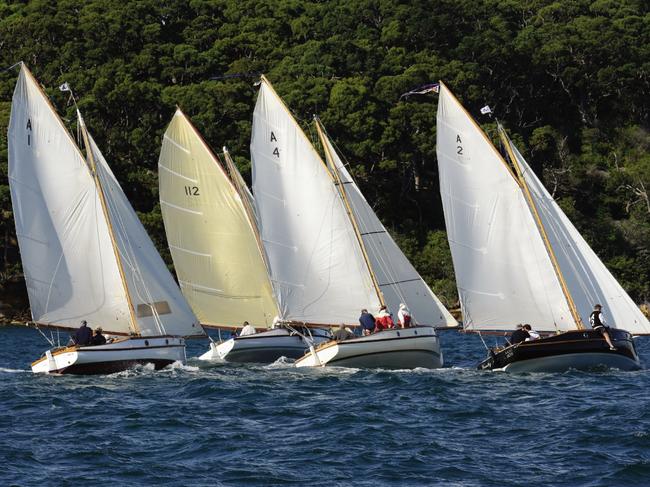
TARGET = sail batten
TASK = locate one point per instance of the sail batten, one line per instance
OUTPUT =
(315, 261)
(210, 235)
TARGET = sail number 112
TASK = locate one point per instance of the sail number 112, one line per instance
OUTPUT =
(192, 191)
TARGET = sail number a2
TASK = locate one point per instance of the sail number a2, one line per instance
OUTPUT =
(459, 145)
(192, 191)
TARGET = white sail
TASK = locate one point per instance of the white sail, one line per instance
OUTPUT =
(213, 244)
(503, 271)
(157, 301)
(65, 245)
(398, 280)
(587, 278)
(317, 266)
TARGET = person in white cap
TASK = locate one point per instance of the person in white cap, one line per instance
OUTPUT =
(403, 316)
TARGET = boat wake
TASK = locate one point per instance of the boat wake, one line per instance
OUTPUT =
(281, 363)
(180, 366)
(13, 371)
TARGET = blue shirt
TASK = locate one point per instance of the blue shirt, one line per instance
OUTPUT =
(367, 321)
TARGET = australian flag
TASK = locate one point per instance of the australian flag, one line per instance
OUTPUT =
(422, 90)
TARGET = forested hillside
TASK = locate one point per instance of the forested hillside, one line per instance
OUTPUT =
(569, 79)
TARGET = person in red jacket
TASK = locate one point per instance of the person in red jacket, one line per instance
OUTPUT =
(383, 321)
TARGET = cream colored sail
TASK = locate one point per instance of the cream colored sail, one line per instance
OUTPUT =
(317, 267)
(397, 278)
(503, 271)
(587, 278)
(212, 241)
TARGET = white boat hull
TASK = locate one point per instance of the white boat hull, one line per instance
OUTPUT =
(264, 347)
(112, 357)
(406, 348)
(578, 361)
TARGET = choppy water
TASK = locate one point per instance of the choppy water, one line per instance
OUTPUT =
(230, 425)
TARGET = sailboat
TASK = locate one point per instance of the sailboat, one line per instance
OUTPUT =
(85, 254)
(518, 259)
(212, 234)
(319, 263)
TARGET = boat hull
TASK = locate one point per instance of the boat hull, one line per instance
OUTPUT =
(264, 347)
(577, 349)
(406, 348)
(112, 357)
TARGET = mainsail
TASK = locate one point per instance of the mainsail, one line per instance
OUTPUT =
(398, 280)
(70, 263)
(211, 237)
(587, 278)
(503, 271)
(317, 267)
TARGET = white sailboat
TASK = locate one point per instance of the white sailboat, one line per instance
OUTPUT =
(212, 233)
(85, 254)
(518, 259)
(320, 268)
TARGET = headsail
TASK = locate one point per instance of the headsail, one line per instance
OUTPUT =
(587, 278)
(317, 267)
(211, 238)
(398, 280)
(157, 301)
(503, 271)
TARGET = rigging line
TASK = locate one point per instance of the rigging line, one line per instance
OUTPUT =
(12, 66)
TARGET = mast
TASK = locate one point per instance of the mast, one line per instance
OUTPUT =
(102, 197)
(542, 230)
(339, 184)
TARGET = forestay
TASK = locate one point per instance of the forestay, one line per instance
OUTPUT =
(316, 264)
(157, 301)
(503, 271)
(212, 242)
(398, 280)
(587, 278)
(65, 245)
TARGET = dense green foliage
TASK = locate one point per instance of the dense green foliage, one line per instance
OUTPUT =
(570, 80)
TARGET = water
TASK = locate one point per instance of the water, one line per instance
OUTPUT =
(231, 425)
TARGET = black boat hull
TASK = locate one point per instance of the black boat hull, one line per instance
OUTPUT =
(577, 349)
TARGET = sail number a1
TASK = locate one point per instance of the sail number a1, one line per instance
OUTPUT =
(459, 145)
(276, 151)
(192, 191)
(29, 131)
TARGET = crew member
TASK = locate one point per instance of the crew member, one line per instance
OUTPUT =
(83, 335)
(597, 321)
(519, 335)
(98, 338)
(403, 316)
(383, 320)
(367, 322)
(342, 333)
(247, 329)
(532, 334)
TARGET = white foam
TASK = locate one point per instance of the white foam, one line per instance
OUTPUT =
(13, 371)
